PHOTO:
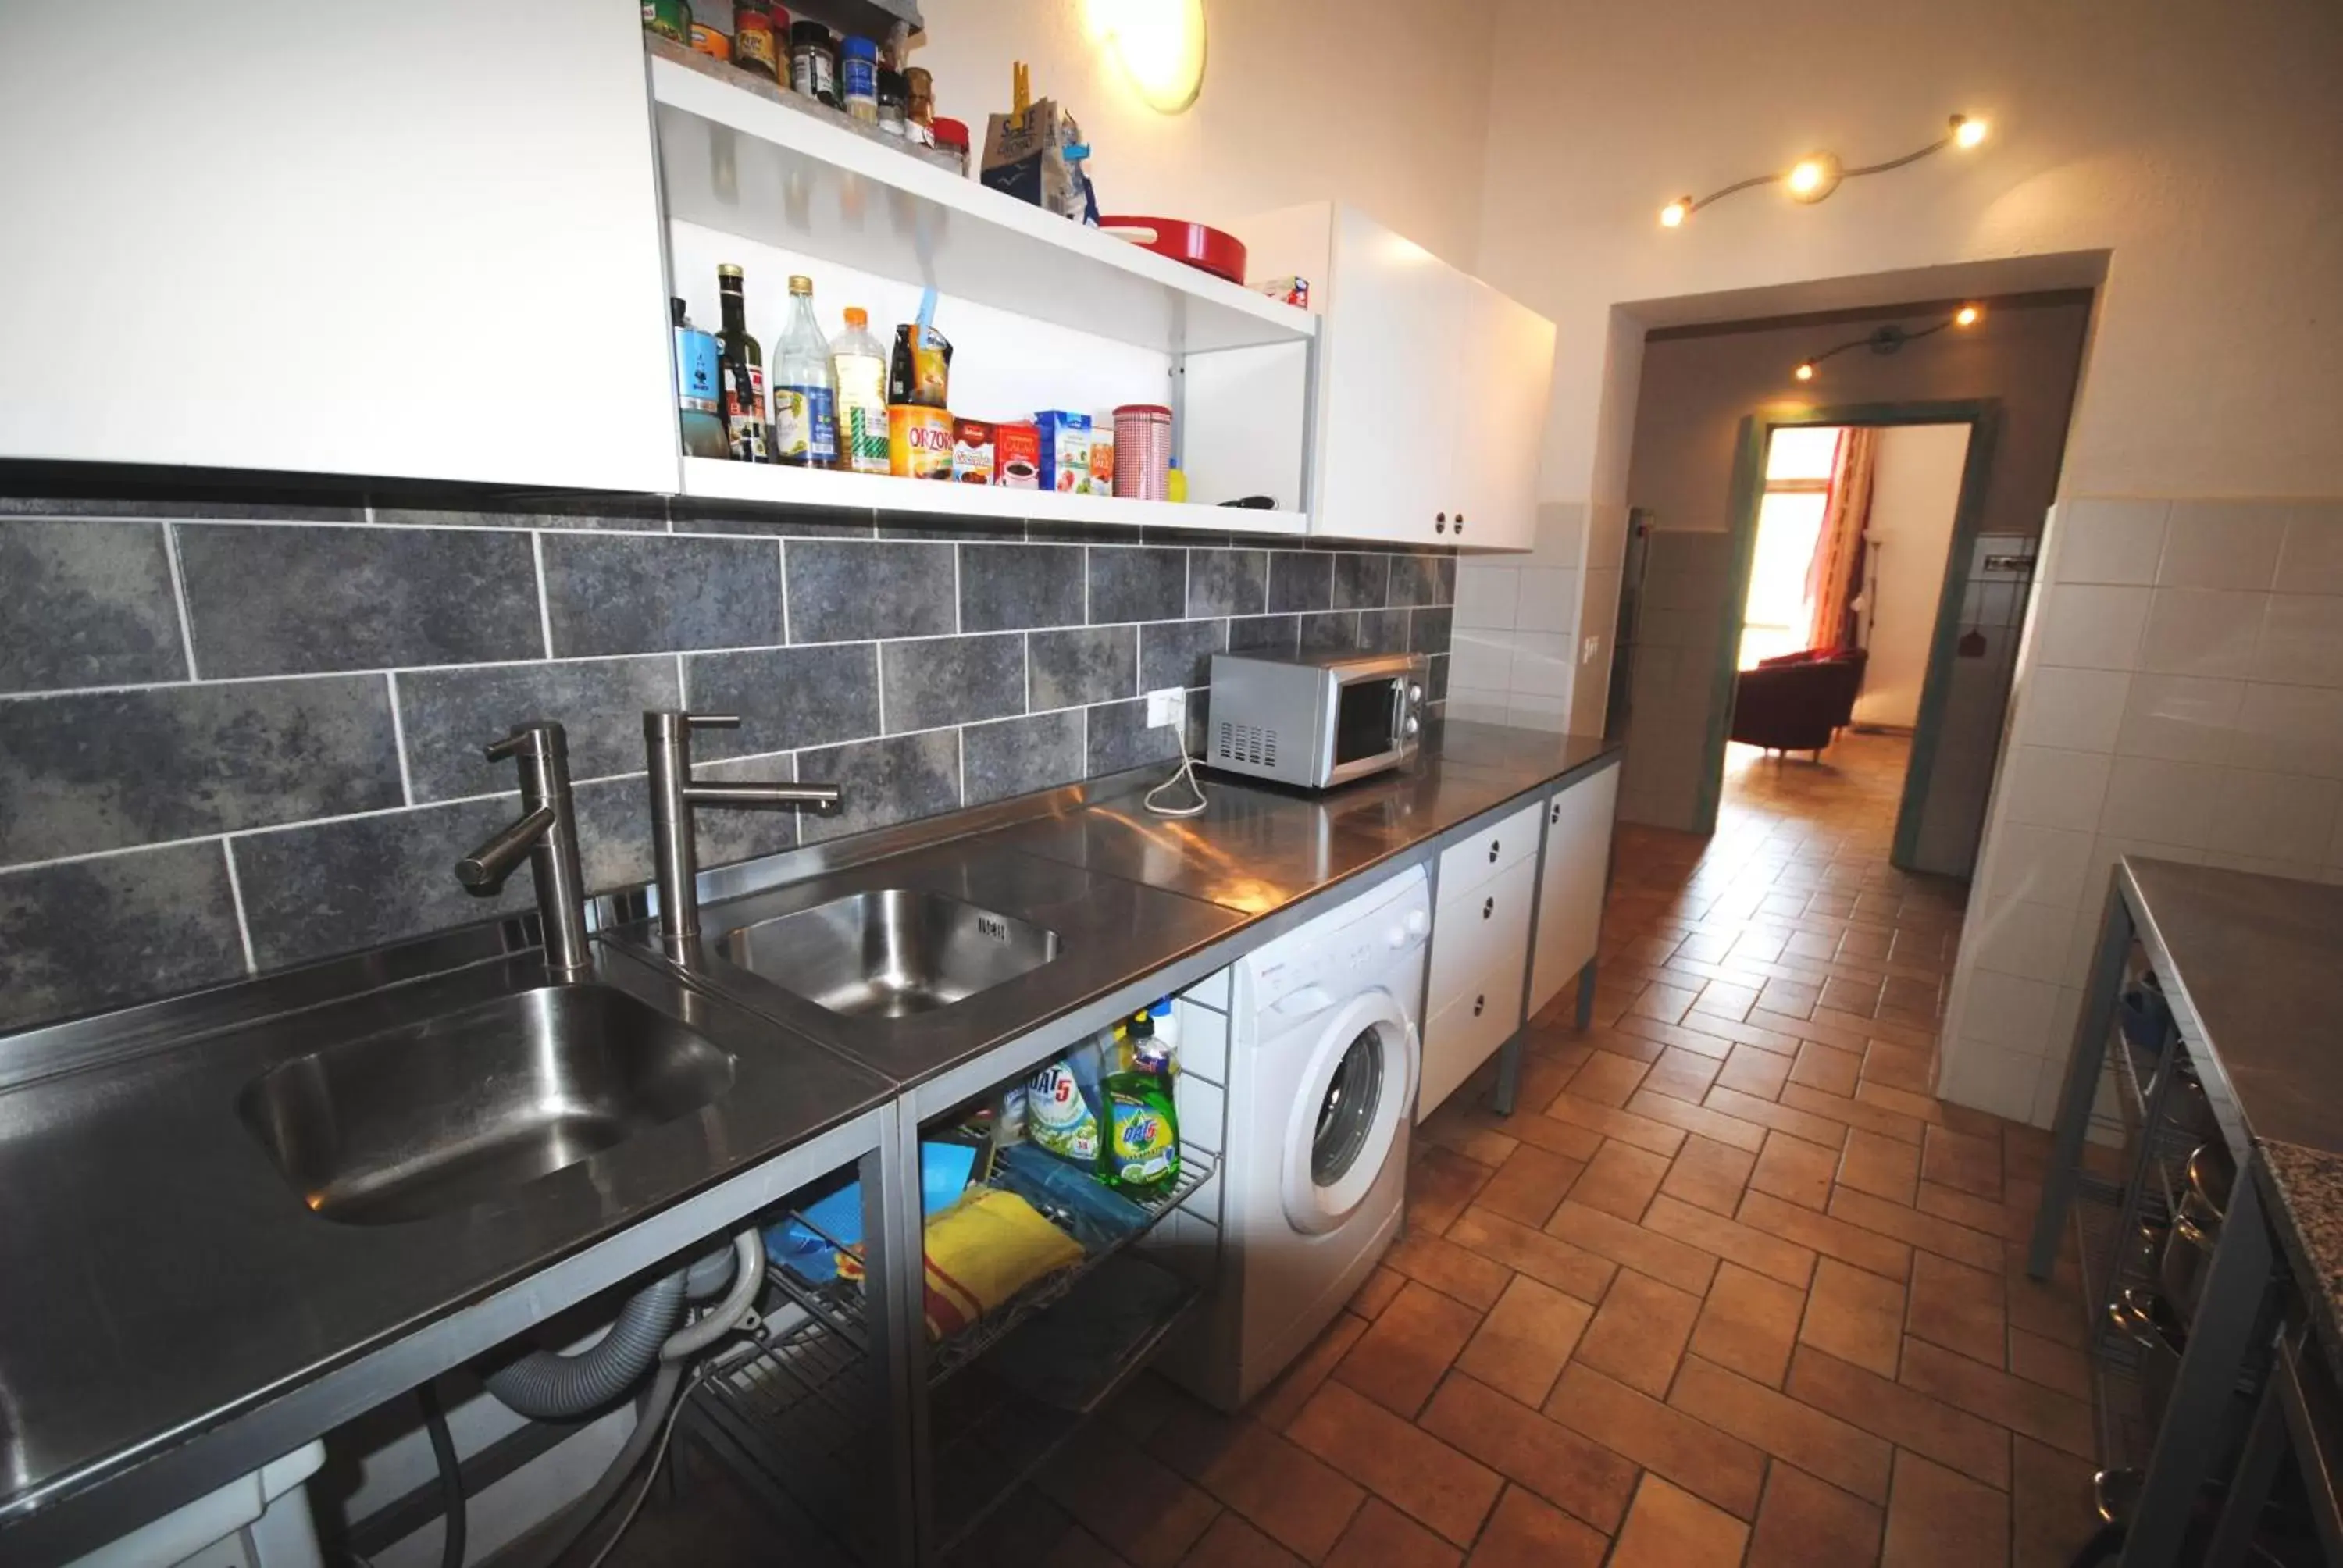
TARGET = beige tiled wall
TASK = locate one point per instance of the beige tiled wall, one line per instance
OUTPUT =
(1519, 651)
(2179, 695)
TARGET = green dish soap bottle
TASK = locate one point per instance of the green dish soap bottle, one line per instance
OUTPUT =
(1143, 1156)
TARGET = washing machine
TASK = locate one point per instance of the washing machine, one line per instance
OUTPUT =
(1324, 1063)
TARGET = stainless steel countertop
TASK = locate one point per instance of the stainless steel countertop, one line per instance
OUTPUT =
(2253, 969)
(163, 1276)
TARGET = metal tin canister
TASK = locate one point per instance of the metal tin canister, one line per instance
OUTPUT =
(1143, 442)
(919, 442)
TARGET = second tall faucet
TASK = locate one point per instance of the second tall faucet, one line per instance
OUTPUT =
(666, 738)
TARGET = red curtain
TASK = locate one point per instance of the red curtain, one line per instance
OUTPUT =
(1835, 576)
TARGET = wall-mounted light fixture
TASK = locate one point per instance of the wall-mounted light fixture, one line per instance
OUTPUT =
(1813, 177)
(1158, 46)
(1889, 339)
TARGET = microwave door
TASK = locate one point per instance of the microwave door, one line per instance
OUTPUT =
(1368, 724)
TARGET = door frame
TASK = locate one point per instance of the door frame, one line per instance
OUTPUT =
(1983, 416)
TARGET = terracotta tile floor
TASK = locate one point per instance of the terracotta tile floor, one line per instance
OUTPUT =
(1730, 1286)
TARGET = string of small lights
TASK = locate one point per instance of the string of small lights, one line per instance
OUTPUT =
(1813, 177)
(1887, 339)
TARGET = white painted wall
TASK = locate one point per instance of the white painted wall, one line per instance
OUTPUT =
(1916, 490)
(1303, 101)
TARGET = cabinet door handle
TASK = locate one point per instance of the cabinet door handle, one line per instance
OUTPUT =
(1440, 523)
(1492, 852)
(1488, 906)
(1460, 522)
(1554, 813)
(1478, 1003)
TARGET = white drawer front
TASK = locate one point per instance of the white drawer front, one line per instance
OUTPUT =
(1472, 937)
(1203, 1042)
(1463, 1034)
(1468, 863)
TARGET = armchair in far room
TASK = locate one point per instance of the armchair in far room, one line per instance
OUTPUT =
(1799, 701)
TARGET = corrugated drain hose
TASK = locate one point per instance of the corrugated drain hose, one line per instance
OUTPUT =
(546, 1385)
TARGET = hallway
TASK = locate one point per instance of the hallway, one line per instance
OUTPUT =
(1730, 1286)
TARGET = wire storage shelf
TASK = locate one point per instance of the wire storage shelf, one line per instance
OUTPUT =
(839, 1301)
(790, 1412)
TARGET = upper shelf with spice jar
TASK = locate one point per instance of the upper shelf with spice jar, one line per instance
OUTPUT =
(759, 165)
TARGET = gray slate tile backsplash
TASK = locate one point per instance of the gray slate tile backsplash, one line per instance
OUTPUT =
(305, 788)
(86, 604)
(298, 601)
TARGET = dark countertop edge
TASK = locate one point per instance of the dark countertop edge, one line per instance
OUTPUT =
(221, 1012)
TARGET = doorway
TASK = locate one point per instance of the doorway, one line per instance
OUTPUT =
(1851, 533)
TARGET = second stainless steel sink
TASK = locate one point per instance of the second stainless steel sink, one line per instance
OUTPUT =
(890, 952)
(449, 1112)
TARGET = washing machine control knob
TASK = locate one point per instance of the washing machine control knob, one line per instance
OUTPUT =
(1418, 922)
(1397, 937)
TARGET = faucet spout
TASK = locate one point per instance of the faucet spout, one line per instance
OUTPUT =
(492, 862)
(548, 834)
(674, 795)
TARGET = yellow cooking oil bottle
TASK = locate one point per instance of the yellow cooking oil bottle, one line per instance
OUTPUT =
(1142, 1144)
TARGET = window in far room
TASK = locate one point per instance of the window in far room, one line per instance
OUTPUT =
(1799, 461)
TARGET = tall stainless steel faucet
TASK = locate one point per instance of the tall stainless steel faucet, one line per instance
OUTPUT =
(667, 737)
(548, 834)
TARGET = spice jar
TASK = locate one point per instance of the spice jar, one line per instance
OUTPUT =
(921, 108)
(753, 47)
(813, 62)
(894, 103)
(707, 41)
(952, 136)
(858, 79)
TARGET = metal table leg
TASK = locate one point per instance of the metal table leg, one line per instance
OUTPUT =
(2249, 1489)
(895, 1262)
(1509, 1076)
(2218, 1338)
(2082, 1087)
(1586, 1015)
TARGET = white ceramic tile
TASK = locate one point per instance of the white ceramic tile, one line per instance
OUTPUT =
(2020, 939)
(2087, 627)
(1990, 1077)
(1480, 658)
(2040, 865)
(2197, 631)
(2169, 802)
(1541, 664)
(2311, 559)
(2010, 1011)
(1528, 711)
(1486, 594)
(2104, 539)
(1549, 601)
(2080, 709)
(2221, 545)
(2302, 640)
(2180, 718)
(1479, 707)
(2043, 786)
(2275, 816)
(2290, 730)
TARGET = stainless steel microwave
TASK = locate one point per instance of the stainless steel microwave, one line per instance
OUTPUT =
(1315, 720)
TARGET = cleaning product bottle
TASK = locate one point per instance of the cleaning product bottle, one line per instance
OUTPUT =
(1143, 1122)
(858, 370)
(1064, 1106)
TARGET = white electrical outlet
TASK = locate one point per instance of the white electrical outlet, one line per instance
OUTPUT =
(1168, 706)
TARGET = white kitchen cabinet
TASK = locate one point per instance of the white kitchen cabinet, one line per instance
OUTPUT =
(1431, 386)
(413, 240)
(1570, 882)
(1480, 957)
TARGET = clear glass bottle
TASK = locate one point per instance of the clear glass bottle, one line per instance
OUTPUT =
(805, 403)
(744, 373)
(858, 364)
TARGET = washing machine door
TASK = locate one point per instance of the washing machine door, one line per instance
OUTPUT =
(1347, 1108)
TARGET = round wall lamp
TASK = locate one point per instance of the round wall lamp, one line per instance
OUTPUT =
(1159, 46)
(1888, 339)
(1817, 175)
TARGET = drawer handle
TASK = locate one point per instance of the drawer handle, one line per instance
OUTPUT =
(1460, 522)
(1555, 814)
(1492, 852)
(1478, 1003)
(1488, 906)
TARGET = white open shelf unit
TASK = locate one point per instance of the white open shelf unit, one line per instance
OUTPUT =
(1044, 313)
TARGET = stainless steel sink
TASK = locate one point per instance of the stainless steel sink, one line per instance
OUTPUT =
(449, 1112)
(890, 952)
